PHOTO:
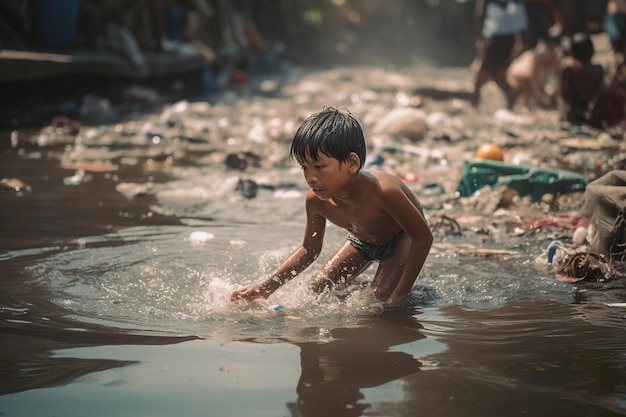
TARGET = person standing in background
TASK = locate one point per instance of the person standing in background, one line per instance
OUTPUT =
(615, 28)
(530, 73)
(544, 21)
(501, 29)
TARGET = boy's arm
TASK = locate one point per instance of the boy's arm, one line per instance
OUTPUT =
(408, 216)
(298, 261)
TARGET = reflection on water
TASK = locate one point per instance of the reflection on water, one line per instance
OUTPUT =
(334, 374)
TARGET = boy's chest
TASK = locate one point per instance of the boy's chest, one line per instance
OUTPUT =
(359, 220)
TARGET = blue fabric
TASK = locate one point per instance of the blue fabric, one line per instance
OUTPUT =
(615, 26)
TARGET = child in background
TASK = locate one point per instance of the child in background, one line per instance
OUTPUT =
(530, 73)
(610, 109)
(382, 216)
(581, 81)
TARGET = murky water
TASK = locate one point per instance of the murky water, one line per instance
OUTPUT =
(115, 285)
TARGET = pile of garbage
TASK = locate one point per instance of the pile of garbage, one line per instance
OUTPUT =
(598, 252)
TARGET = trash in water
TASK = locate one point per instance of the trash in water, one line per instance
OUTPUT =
(527, 181)
(78, 178)
(200, 237)
(14, 184)
(248, 188)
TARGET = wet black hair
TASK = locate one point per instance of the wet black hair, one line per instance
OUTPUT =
(333, 132)
(582, 47)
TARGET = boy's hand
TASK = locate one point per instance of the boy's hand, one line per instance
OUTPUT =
(251, 292)
(396, 301)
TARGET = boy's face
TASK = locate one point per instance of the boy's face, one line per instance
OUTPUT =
(326, 176)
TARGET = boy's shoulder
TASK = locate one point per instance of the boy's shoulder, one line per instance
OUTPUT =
(380, 175)
(384, 180)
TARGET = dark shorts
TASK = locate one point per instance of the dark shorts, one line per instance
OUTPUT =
(375, 252)
(498, 53)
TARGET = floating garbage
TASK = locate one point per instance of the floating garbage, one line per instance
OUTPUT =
(247, 188)
(78, 178)
(15, 184)
(604, 209)
(403, 122)
(200, 237)
(527, 181)
(579, 236)
(554, 246)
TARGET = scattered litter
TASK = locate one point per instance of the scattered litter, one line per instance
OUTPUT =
(200, 237)
(287, 194)
(586, 266)
(403, 122)
(78, 178)
(490, 253)
(526, 180)
(506, 117)
(14, 184)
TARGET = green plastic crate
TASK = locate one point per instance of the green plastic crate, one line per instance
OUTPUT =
(531, 181)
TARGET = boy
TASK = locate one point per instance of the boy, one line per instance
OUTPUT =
(529, 74)
(581, 81)
(382, 216)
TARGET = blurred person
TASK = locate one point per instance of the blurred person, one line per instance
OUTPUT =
(501, 27)
(544, 21)
(610, 109)
(382, 216)
(581, 81)
(530, 74)
(615, 27)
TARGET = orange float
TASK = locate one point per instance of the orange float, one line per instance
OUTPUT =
(491, 152)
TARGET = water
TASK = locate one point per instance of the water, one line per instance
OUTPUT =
(115, 285)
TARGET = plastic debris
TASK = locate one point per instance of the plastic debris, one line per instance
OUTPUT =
(76, 179)
(200, 237)
(491, 152)
(526, 180)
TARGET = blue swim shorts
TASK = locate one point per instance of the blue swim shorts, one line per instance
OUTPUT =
(374, 252)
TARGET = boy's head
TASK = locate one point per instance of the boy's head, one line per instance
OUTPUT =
(582, 47)
(333, 132)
